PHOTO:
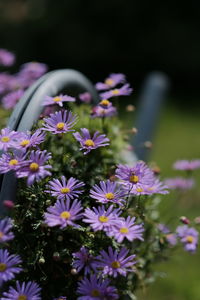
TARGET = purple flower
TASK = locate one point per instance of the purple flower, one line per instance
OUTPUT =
(163, 228)
(186, 165)
(14, 161)
(31, 71)
(8, 139)
(171, 239)
(27, 140)
(180, 183)
(58, 100)
(83, 259)
(156, 187)
(95, 288)
(108, 191)
(5, 230)
(63, 213)
(8, 264)
(85, 97)
(23, 291)
(60, 122)
(100, 112)
(111, 81)
(100, 218)
(127, 229)
(69, 189)
(89, 143)
(36, 169)
(137, 176)
(7, 58)
(10, 100)
(125, 90)
(114, 262)
(188, 236)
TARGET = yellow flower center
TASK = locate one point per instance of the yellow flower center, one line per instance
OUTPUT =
(95, 293)
(57, 99)
(124, 230)
(1, 235)
(115, 92)
(24, 143)
(105, 102)
(109, 81)
(140, 190)
(34, 167)
(5, 139)
(65, 190)
(65, 215)
(3, 267)
(190, 239)
(110, 196)
(115, 264)
(60, 126)
(133, 178)
(22, 297)
(13, 162)
(103, 219)
(89, 143)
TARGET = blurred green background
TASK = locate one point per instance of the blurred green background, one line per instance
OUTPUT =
(135, 38)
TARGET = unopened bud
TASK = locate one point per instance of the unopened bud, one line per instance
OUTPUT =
(56, 256)
(8, 204)
(156, 170)
(130, 108)
(74, 272)
(48, 202)
(197, 220)
(41, 260)
(184, 220)
(134, 130)
(148, 144)
(60, 238)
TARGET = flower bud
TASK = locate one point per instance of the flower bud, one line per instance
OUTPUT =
(56, 256)
(8, 204)
(184, 220)
(130, 108)
(41, 260)
(74, 272)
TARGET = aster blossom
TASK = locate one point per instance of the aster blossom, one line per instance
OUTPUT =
(8, 139)
(85, 97)
(5, 230)
(108, 191)
(36, 169)
(10, 100)
(180, 183)
(111, 81)
(27, 140)
(94, 288)
(58, 100)
(8, 267)
(114, 263)
(7, 58)
(63, 213)
(23, 291)
(156, 187)
(84, 260)
(60, 122)
(89, 142)
(13, 161)
(101, 219)
(101, 112)
(29, 72)
(65, 189)
(125, 90)
(188, 236)
(126, 228)
(187, 165)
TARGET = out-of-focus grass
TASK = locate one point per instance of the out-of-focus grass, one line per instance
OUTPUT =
(177, 137)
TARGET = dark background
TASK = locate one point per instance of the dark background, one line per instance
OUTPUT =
(99, 37)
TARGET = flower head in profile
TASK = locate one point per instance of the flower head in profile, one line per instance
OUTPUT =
(156, 187)
(89, 142)
(10, 100)
(7, 58)
(8, 265)
(187, 165)
(65, 189)
(94, 288)
(85, 97)
(101, 218)
(111, 81)
(101, 112)
(31, 71)
(5, 230)
(15, 161)
(180, 183)
(188, 236)
(115, 263)
(126, 228)
(84, 260)
(60, 122)
(63, 213)
(37, 167)
(125, 90)
(24, 291)
(58, 100)
(27, 140)
(8, 139)
(108, 191)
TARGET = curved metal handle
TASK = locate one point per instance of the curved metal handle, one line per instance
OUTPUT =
(29, 108)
